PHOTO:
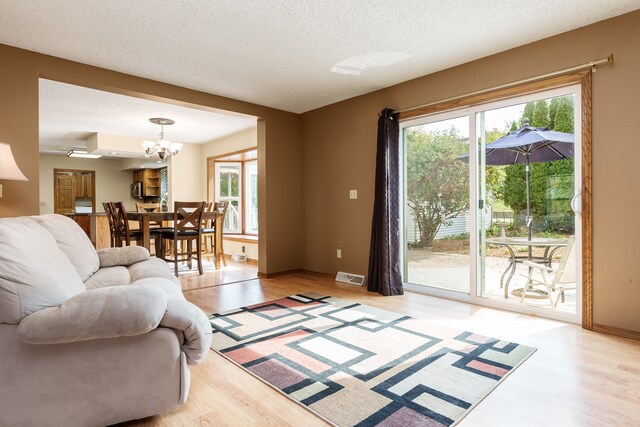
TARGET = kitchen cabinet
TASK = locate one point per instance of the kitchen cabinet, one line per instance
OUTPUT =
(84, 221)
(100, 234)
(70, 185)
(84, 185)
(150, 179)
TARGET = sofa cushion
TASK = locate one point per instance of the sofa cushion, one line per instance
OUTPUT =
(153, 267)
(73, 241)
(168, 286)
(111, 257)
(111, 276)
(34, 272)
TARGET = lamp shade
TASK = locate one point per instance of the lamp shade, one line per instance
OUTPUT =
(8, 167)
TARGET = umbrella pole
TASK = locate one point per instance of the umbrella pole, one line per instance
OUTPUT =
(528, 203)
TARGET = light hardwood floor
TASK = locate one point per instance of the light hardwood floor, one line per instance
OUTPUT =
(233, 272)
(576, 378)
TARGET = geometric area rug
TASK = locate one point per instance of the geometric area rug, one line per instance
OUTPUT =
(356, 365)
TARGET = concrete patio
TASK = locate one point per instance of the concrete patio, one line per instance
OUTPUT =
(451, 271)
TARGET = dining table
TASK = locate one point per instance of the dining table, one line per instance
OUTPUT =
(549, 245)
(146, 218)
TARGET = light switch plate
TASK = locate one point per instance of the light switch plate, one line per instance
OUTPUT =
(353, 194)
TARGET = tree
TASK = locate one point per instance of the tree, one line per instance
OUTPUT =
(437, 181)
(514, 187)
(527, 113)
(551, 183)
(564, 115)
(553, 109)
(494, 174)
(540, 117)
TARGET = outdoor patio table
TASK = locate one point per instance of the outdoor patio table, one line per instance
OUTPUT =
(550, 247)
(145, 219)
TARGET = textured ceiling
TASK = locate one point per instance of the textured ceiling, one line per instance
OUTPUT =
(69, 114)
(295, 55)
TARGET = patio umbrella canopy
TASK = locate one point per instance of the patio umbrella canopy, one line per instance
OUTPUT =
(529, 145)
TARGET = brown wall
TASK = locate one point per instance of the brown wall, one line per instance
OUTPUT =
(280, 189)
(305, 212)
(339, 154)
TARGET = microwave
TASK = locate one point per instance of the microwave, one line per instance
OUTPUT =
(136, 190)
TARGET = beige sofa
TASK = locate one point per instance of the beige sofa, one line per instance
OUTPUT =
(89, 338)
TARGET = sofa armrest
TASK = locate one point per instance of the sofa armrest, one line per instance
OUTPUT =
(96, 314)
(126, 256)
(183, 316)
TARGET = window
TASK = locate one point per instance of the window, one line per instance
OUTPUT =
(251, 197)
(228, 189)
(234, 178)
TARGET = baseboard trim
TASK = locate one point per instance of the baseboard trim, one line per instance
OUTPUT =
(278, 274)
(296, 271)
(619, 332)
(249, 260)
(317, 273)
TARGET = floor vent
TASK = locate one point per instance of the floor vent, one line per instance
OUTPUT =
(353, 279)
(240, 257)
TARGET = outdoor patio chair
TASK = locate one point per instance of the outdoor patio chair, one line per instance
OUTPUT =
(564, 275)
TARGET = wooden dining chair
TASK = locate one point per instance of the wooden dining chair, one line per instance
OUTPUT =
(109, 212)
(155, 227)
(150, 207)
(187, 226)
(209, 231)
(124, 233)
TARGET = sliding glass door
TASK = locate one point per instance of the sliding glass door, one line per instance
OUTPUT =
(491, 204)
(436, 195)
(528, 190)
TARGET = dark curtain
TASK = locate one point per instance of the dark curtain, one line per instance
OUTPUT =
(384, 256)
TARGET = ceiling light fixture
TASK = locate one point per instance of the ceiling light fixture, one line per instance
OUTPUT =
(82, 152)
(163, 147)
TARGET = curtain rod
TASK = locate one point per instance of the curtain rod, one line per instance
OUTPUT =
(591, 64)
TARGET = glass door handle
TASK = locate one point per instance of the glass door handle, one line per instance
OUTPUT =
(577, 208)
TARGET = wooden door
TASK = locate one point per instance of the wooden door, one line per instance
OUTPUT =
(69, 184)
(65, 188)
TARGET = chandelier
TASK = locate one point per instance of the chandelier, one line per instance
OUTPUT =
(163, 147)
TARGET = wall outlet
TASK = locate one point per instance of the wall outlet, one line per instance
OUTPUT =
(339, 253)
(43, 204)
(243, 249)
(353, 194)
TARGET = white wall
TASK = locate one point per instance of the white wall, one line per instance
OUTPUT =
(235, 248)
(229, 144)
(112, 184)
(185, 175)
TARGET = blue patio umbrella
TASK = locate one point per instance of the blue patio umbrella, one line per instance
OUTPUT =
(529, 145)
